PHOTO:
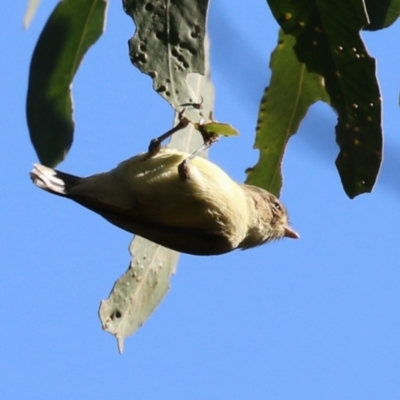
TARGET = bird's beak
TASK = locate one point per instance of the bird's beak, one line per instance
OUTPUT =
(291, 233)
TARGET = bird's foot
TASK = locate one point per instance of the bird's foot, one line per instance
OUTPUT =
(184, 170)
(155, 144)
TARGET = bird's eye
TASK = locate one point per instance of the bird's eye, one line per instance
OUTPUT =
(277, 206)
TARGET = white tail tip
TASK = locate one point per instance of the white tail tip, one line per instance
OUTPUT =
(46, 178)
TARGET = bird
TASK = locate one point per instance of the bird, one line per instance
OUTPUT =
(192, 207)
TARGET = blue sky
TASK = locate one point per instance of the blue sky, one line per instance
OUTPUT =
(316, 318)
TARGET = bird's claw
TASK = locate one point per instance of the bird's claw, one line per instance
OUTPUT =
(184, 170)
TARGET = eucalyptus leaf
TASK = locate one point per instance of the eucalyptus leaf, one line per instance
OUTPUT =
(71, 29)
(329, 43)
(139, 291)
(215, 128)
(169, 44)
(284, 104)
(381, 13)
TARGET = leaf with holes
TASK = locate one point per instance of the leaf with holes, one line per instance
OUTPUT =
(328, 42)
(168, 44)
(139, 291)
(71, 29)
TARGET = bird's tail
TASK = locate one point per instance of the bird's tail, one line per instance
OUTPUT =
(51, 180)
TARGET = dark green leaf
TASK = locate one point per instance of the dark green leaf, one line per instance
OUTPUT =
(328, 42)
(381, 13)
(285, 102)
(168, 44)
(71, 29)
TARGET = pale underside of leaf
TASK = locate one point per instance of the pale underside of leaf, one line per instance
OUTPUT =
(136, 294)
(139, 291)
(30, 12)
(169, 44)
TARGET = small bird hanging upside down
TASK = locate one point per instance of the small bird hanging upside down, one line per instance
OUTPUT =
(199, 211)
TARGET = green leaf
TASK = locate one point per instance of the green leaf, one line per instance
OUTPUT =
(168, 44)
(71, 29)
(328, 42)
(139, 291)
(285, 102)
(215, 128)
(381, 13)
